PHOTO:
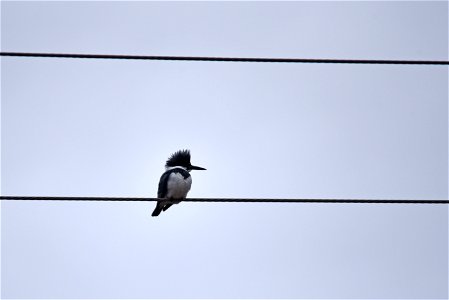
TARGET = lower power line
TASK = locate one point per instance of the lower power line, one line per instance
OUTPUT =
(226, 200)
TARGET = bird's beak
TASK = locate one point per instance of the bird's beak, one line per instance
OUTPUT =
(196, 168)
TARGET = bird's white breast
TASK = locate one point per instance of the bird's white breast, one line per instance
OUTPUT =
(178, 186)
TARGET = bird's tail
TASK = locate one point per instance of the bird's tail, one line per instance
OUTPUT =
(157, 210)
(166, 206)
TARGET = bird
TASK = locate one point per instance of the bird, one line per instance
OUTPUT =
(176, 181)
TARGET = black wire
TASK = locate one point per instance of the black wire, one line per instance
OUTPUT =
(242, 200)
(230, 59)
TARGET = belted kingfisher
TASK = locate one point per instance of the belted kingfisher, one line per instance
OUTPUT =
(176, 181)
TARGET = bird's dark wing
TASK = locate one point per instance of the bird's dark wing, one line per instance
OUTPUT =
(162, 190)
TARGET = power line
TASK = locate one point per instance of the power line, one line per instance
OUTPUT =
(224, 200)
(230, 59)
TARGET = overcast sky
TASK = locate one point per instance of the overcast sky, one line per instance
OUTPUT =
(73, 127)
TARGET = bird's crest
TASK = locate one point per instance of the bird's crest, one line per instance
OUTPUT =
(179, 158)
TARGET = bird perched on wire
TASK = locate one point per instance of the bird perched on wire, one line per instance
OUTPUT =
(176, 181)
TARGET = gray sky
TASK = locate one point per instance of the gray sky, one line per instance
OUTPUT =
(105, 128)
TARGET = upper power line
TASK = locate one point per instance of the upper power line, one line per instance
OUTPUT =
(229, 59)
(241, 200)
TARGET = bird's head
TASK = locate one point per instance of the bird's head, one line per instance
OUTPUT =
(181, 158)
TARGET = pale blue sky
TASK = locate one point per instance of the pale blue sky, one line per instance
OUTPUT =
(105, 128)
